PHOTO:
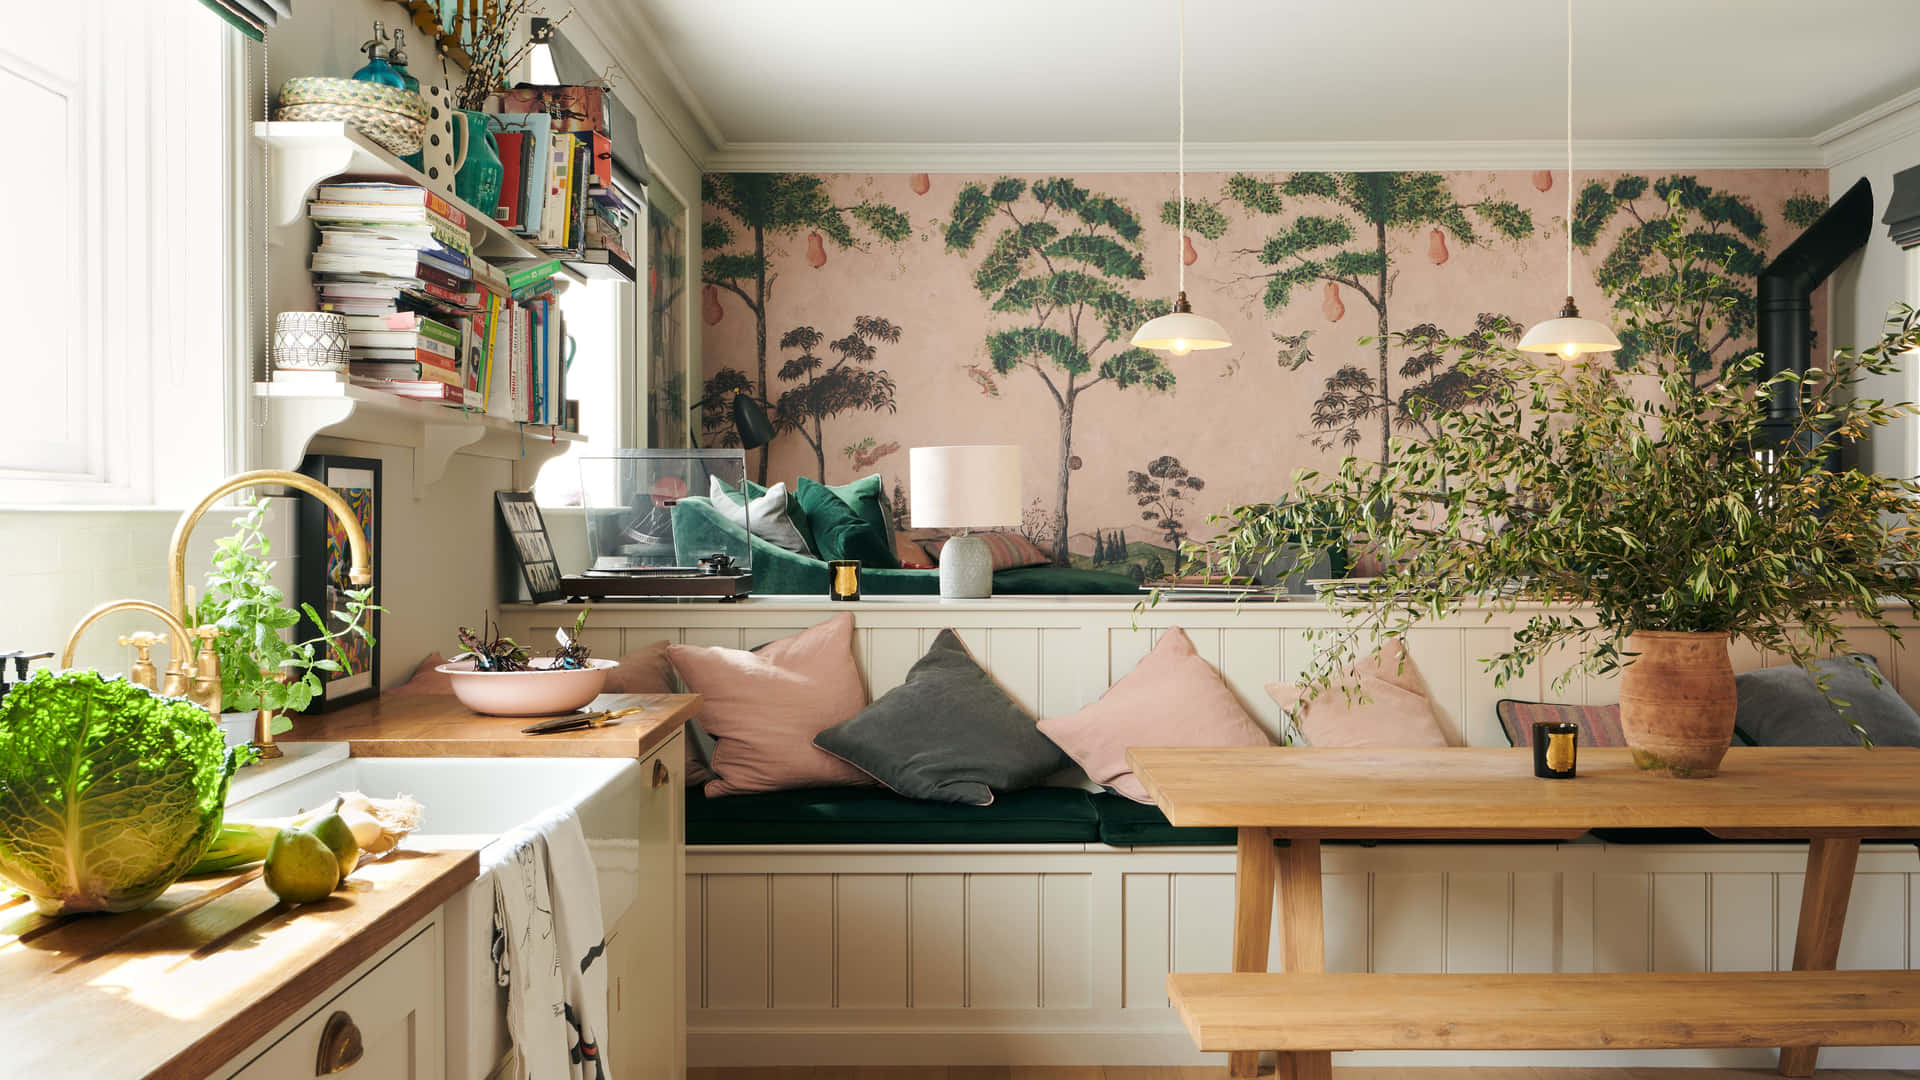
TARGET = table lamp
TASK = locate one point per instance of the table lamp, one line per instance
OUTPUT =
(964, 487)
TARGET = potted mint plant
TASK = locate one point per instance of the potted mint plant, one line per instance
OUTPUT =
(263, 669)
(1650, 512)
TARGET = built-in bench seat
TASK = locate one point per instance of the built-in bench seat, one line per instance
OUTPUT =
(861, 815)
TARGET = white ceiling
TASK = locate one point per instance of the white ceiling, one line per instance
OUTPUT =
(957, 72)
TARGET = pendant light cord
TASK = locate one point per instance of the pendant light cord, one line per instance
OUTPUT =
(1180, 154)
(1569, 148)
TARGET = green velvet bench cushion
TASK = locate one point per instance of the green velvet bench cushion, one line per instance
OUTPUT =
(1125, 823)
(843, 815)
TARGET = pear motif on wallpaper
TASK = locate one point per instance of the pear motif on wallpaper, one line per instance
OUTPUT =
(1437, 247)
(1543, 180)
(816, 251)
(919, 183)
(1187, 254)
(1330, 304)
(710, 309)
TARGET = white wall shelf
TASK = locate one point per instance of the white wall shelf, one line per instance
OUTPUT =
(298, 413)
(305, 153)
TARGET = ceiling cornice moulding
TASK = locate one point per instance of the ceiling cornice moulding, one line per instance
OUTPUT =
(1442, 154)
(1885, 123)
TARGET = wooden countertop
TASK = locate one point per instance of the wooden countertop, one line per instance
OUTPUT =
(1786, 792)
(437, 725)
(177, 988)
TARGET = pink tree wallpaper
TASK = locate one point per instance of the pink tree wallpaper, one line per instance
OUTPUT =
(879, 312)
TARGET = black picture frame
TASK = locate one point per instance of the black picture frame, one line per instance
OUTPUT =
(526, 538)
(320, 571)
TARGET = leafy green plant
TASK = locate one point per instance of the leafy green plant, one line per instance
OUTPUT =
(260, 668)
(108, 791)
(1620, 500)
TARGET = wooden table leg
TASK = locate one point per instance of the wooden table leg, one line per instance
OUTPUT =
(1823, 916)
(1303, 938)
(1252, 925)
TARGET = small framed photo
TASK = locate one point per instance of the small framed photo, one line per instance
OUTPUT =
(321, 569)
(527, 530)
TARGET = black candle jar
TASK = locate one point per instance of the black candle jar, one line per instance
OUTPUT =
(1556, 749)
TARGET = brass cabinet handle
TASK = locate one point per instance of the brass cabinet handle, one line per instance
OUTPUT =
(661, 774)
(340, 1046)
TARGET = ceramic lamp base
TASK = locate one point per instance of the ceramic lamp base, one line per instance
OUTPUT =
(966, 569)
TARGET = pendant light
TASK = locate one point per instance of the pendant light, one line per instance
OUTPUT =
(1569, 335)
(1181, 331)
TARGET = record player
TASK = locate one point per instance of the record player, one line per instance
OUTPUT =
(628, 497)
(715, 578)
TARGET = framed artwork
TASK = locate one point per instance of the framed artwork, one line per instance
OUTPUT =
(320, 575)
(527, 531)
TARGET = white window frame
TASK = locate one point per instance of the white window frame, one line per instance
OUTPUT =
(153, 416)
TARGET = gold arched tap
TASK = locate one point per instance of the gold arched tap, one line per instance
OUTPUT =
(360, 572)
(177, 676)
(205, 671)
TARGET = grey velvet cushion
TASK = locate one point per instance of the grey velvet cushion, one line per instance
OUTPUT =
(1782, 706)
(946, 734)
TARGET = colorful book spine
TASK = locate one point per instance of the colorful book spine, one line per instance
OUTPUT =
(513, 159)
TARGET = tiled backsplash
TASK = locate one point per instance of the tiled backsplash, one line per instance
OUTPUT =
(55, 565)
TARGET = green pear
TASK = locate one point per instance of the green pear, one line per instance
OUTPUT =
(300, 868)
(333, 831)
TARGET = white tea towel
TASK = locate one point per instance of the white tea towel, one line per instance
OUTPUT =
(548, 948)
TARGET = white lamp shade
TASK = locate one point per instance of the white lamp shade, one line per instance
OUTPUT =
(1181, 332)
(1569, 337)
(963, 487)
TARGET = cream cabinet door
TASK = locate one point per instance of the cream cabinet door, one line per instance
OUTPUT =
(395, 1014)
(646, 956)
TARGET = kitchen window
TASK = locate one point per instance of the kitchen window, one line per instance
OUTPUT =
(118, 359)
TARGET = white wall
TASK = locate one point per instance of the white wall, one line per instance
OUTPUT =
(1861, 291)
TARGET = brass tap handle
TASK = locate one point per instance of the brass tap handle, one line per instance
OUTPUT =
(205, 687)
(142, 672)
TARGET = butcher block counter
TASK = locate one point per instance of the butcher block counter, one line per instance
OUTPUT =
(437, 725)
(176, 989)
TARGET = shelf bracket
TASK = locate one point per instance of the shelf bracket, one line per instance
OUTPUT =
(289, 425)
(438, 443)
(297, 167)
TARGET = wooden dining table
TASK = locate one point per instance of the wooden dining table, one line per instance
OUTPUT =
(1284, 801)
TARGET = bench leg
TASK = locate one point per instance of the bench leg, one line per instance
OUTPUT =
(1252, 922)
(1823, 916)
(1303, 939)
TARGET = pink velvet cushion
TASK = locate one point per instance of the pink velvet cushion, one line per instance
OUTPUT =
(1173, 698)
(642, 671)
(1390, 706)
(425, 680)
(763, 708)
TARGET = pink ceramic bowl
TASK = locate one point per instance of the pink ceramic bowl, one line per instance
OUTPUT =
(541, 692)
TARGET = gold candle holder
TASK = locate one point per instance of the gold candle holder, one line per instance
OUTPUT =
(843, 582)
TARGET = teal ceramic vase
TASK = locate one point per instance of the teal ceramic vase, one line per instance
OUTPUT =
(479, 179)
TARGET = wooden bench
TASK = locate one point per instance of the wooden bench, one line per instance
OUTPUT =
(1250, 1012)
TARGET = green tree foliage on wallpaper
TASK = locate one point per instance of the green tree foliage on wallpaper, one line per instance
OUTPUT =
(1061, 262)
(824, 388)
(767, 206)
(1802, 209)
(1328, 247)
(1161, 494)
(1430, 377)
(1638, 270)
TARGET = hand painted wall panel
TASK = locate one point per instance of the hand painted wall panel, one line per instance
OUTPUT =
(880, 312)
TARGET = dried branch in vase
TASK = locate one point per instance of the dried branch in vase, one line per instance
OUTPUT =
(489, 34)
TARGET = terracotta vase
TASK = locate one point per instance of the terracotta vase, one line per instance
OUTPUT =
(1677, 702)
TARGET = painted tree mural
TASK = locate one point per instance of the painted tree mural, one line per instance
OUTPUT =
(823, 388)
(766, 206)
(1060, 262)
(1322, 247)
(1430, 376)
(1718, 292)
(1161, 494)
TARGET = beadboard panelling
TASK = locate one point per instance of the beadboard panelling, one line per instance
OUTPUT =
(870, 941)
(937, 940)
(802, 953)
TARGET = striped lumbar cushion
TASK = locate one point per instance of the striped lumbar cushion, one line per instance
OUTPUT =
(1010, 550)
(1599, 724)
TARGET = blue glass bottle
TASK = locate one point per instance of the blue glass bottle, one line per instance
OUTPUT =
(397, 56)
(377, 69)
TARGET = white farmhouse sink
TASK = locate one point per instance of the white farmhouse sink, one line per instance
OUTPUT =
(475, 800)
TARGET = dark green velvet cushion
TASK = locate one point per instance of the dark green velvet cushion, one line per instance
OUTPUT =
(1043, 815)
(1045, 580)
(947, 733)
(868, 497)
(1125, 823)
(841, 530)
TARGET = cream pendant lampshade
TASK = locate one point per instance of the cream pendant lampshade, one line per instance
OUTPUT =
(1180, 331)
(1570, 335)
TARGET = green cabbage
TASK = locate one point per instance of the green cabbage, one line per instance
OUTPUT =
(108, 791)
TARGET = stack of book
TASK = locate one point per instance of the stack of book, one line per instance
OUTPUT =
(558, 191)
(398, 262)
(525, 379)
